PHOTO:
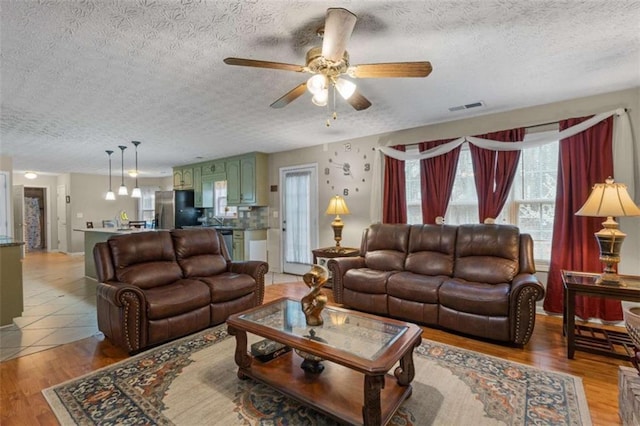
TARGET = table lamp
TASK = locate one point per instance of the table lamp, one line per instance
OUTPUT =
(609, 200)
(337, 206)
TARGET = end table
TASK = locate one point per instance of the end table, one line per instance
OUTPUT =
(592, 339)
(321, 254)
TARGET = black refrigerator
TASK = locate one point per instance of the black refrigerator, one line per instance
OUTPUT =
(175, 209)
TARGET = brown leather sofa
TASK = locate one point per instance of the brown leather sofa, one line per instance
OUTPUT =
(160, 285)
(474, 279)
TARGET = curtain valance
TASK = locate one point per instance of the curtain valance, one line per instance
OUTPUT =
(623, 152)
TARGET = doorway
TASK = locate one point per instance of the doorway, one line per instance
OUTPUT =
(35, 213)
(299, 207)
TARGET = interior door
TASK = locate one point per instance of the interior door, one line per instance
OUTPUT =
(61, 206)
(299, 207)
(18, 212)
(6, 225)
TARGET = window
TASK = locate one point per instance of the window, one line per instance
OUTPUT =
(147, 204)
(531, 203)
(413, 187)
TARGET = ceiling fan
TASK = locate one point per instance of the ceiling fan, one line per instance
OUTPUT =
(330, 62)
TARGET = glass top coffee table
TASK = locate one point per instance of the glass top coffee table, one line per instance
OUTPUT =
(357, 349)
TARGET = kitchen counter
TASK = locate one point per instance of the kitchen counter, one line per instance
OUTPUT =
(10, 242)
(98, 235)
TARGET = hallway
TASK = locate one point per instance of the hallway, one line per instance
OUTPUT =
(59, 305)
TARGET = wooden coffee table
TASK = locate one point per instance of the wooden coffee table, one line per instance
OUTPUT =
(358, 350)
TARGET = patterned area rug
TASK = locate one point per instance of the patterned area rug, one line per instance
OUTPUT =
(193, 381)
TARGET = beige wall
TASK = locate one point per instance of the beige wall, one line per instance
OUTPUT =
(49, 183)
(87, 203)
(359, 201)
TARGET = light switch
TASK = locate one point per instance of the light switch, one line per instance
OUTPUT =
(79, 215)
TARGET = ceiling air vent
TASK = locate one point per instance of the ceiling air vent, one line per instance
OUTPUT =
(467, 106)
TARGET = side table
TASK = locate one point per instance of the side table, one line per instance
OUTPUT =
(591, 339)
(321, 254)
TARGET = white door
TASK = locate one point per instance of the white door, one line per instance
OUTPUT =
(299, 207)
(18, 212)
(5, 202)
(61, 205)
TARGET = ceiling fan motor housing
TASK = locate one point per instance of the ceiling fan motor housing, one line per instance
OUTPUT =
(318, 64)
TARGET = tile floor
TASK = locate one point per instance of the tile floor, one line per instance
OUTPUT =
(61, 308)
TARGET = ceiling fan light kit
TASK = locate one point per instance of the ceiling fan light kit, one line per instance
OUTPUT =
(331, 61)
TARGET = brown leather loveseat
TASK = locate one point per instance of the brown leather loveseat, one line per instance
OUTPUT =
(156, 286)
(474, 279)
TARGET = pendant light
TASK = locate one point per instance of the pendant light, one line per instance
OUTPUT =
(123, 189)
(136, 193)
(110, 195)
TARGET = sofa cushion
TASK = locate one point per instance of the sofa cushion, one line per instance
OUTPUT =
(385, 246)
(177, 298)
(229, 285)
(198, 252)
(487, 253)
(415, 287)
(365, 280)
(474, 297)
(431, 249)
(144, 259)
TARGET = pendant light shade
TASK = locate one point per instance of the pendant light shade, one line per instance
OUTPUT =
(136, 193)
(110, 195)
(123, 189)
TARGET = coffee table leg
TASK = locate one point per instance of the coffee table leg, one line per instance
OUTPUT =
(242, 358)
(406, 371)
(372, 411)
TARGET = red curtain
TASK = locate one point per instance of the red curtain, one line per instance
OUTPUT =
(494, 172)
(437, 175)
(585, 159)
(394, 208)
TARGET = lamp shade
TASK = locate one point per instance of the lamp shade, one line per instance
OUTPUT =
(337, 206)
(345, 87)
(609, 199)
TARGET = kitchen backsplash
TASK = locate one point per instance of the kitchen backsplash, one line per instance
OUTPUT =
(256, 218)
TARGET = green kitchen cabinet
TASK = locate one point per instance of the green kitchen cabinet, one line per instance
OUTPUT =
(197, 186)
(183, 178)
(247, 180)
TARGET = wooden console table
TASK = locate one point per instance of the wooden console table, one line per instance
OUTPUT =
(595, 339)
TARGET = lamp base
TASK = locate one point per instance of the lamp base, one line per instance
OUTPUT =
(607, 278)
(610, 240)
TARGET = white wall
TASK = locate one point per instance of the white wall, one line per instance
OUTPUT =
(358, 201)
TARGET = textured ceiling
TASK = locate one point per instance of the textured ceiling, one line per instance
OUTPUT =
(80, 77)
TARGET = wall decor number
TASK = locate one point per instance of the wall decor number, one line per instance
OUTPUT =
(345, 192)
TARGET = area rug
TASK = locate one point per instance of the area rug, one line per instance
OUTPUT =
(193, 381)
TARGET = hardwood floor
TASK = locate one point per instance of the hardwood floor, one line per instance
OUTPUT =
(22, 379)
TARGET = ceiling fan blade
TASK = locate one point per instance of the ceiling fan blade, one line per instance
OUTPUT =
(391, 69)
(338, 27)
(263, 64)
(290, 96)
(358, 102)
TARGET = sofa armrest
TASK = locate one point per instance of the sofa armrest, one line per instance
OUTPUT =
(122, 314)
(256, 269)
(526, 290)
(338, 267)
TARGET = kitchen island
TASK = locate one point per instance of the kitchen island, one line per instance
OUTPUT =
(98, 235)
(11, 299)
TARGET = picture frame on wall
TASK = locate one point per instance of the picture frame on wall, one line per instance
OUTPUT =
(89, 225)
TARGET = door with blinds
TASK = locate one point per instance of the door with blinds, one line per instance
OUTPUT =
(299, 224)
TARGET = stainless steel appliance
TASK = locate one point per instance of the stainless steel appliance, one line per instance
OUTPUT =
(227, 234)
(175, 209)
